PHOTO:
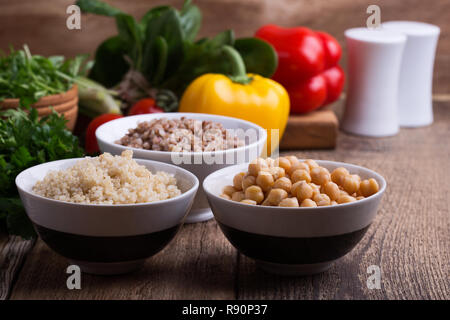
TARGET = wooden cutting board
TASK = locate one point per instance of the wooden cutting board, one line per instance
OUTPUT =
(315, 130)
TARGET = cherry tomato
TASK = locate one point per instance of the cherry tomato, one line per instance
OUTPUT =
(91, 144)
(144, 106)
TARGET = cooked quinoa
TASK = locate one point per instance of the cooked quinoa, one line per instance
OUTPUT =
(107, 179)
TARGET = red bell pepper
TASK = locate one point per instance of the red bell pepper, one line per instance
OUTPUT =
(307, 65)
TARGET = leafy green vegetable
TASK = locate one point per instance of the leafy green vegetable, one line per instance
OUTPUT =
(98, 7)
(31, 77)
(26, 141)
(258, 55)
(161, 48)
(190, 20)
(110, 53)
(166, 26)
(204, 56)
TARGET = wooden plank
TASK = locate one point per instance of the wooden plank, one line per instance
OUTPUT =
(409, 238)
(13, 251)
(198, 264)
(315, 130)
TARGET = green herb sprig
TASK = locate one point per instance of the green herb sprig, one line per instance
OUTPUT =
(26, 141)
(30, 77)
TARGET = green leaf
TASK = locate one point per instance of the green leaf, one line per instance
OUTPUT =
(204, 56)
(151, 14)
(224, 38)
(130, 34)
(161, 49)
(21, 158)
(110, 53)
(167, 26)
(190, 20)
(259, 56)
(97, 7)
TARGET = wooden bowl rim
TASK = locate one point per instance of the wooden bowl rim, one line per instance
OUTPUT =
(46, 101)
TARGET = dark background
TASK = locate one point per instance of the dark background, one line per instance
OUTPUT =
(42, 24)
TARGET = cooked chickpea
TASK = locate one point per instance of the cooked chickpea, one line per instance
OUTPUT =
(293, 160)
(351, 185)
(298, 166)
(316, 189)
(256, 166)
(295, 187)
(283, 183)
(332, 190)
(274, 197)
(229, 190)
(308, 203)
(287, 182)
(289, 202)
(346, 199)
(368, 187)
(320, 175)
(248, 201)
(343, 193)
(300, 174)
(254, 193)
(238, 196)
(248, 181)
(322, 200)
(284, 163)
(277, 172)
(338, 175)
(304, 191)
(311, 163)
(265, 180)
(225, 196)
(237, 181)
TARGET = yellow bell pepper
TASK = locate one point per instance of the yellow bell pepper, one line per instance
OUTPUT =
(246, 96)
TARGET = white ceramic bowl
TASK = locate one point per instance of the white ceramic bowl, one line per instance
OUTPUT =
(293, 241)
(195, 162)
(106, 239)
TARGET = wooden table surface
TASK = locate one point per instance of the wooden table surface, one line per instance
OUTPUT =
(409, 240)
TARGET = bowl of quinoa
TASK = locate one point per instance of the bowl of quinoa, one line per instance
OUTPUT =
(107, 179)
(199, 143)
(107, 214)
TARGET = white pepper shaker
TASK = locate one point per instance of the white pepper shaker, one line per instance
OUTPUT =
(374, 60)
(416, 74)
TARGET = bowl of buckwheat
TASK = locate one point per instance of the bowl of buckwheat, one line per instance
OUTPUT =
(294, 216)
(199, 143)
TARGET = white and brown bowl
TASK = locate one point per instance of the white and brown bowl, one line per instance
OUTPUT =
(293, 241)
(106, 239)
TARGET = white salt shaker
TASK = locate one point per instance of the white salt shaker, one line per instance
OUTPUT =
(374, 60)
(416, 75)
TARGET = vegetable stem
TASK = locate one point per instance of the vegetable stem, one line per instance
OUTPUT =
(238, 71)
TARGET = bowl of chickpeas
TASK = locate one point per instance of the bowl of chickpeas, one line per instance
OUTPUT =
(294, 216)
